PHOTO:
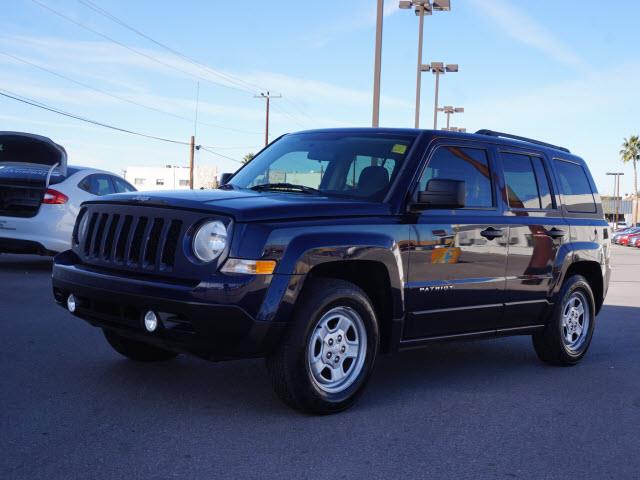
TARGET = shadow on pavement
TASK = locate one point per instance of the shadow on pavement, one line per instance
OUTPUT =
(464, 365)
(24, 263)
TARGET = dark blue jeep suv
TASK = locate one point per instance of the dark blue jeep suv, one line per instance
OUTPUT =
(332, 246)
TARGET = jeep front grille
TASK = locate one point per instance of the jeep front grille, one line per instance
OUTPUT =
(138, 242)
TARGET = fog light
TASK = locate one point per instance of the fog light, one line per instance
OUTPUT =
(71, 303)
(150, 321)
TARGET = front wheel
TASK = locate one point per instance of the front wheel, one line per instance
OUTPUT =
(567, 336)
(328, 352)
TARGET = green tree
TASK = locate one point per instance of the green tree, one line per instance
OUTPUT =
(248, 157)
(630, 152)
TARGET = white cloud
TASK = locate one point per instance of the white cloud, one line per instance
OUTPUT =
(519, 26)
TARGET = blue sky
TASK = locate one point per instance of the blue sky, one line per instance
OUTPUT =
(565, 72)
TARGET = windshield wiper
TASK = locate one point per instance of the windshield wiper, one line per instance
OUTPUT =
(284, 186)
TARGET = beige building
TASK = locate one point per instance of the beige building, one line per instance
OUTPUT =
(170, 177)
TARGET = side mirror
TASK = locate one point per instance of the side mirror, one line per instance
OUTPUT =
(225, 177)
(441, 193)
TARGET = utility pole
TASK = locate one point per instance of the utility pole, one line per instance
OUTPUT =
(192, 142)
(616, 195)
(375, 120)
(268, 96)
(192, 146)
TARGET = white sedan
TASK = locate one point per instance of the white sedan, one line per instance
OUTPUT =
(40, 196)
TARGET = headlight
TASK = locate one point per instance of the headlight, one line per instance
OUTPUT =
(209, 241)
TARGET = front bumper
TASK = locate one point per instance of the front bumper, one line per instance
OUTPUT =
(215, 319)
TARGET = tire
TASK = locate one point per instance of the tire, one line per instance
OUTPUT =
(297, 368)
(560, 343)
(138, 351)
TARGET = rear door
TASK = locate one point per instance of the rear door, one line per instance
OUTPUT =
(457, 264)
(27, 163)
(537, 233)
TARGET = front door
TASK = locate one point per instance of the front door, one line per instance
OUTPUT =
(457, 265)
(536, 234)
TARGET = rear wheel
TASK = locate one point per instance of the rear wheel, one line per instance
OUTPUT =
(327, 355)
(138, 351)
(567, 336)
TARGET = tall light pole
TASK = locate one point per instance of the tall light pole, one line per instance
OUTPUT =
(375, 121)
(422, 8)
(439, 68)
(449, 110)
(616, 194)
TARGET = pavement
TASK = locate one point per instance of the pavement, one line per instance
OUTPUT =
(71, 408)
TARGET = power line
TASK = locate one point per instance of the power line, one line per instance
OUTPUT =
(35, 103)
(225, 76)
(150, 57)
(85, 85)
(118, 97)
(207, 149)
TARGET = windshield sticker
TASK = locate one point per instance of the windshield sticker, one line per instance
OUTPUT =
(399, 148)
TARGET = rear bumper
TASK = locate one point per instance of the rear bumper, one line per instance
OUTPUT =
(50, 229)
(13, 245)
(199, 319)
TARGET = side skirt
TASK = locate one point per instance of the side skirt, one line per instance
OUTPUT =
(504, 332)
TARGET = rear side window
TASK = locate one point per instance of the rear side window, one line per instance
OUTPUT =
(575, 187)
(467, 164)
(97, 185)
(122, 186)
(526, 182)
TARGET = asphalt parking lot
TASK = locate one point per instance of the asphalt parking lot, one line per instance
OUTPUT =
(72, 408)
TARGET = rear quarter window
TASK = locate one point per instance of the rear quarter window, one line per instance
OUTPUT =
(575, 187)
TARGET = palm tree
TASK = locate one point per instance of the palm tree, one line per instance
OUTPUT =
(630, 152)
(248, 157)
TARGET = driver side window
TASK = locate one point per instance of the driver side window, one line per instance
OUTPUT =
(471, 165)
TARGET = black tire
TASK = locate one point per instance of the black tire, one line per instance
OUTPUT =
(549, 343)
(288, 366)
(138, 351)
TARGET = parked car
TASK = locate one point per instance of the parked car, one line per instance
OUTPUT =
(332, 246)
(40, 195)
(621, 238)
(630, 239)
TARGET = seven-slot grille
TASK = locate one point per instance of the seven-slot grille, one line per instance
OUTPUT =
(138, 242)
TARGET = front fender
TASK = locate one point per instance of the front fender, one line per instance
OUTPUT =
(308, 249)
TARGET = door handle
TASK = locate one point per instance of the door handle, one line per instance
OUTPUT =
(491, 233)
(555, 233)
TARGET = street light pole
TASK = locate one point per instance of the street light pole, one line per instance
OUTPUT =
(616, 195)
(375, 121)
(439, 68)
(449, 110)
(435, 102)
(422, 8)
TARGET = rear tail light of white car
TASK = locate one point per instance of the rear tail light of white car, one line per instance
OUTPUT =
(54, 197)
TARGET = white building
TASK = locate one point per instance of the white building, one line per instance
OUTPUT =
(170, 177)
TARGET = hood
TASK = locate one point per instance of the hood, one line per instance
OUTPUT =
(29, 157)
(250, 206)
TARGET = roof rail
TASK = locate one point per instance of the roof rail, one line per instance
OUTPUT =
(492, 133)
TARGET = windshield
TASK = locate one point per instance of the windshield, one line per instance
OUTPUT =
(360, 165)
